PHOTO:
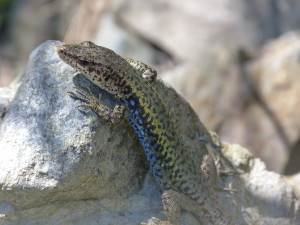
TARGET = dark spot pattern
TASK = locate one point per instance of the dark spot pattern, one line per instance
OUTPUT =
(170, 161)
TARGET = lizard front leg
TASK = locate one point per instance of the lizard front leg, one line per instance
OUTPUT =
(113, 116)
(148, 73)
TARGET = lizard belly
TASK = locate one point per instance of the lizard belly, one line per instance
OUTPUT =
(148, 140)
(168, 159)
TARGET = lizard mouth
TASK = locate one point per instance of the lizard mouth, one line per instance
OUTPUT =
(69, 55)
(62, 52)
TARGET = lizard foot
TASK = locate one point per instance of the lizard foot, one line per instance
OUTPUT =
(91, 102)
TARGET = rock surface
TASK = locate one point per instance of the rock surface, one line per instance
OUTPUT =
(273, 78)
(275, 74)
(294, 181)
(61, 165)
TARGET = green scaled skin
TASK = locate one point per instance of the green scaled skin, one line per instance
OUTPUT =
(186, 184)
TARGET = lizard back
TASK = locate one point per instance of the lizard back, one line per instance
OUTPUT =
(170, 161)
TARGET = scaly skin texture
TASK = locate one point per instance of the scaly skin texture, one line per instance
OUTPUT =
(187, 185)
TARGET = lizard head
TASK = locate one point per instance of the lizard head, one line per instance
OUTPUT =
(100, 65)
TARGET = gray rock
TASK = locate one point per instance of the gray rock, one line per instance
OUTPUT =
(55, 152)
(6, 97)
(279, 93)
(61, 165)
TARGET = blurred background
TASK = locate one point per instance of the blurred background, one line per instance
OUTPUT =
(236, 61)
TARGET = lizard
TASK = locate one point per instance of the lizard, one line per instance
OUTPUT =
(186, 185)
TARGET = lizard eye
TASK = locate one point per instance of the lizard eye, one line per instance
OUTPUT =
(84, 63)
